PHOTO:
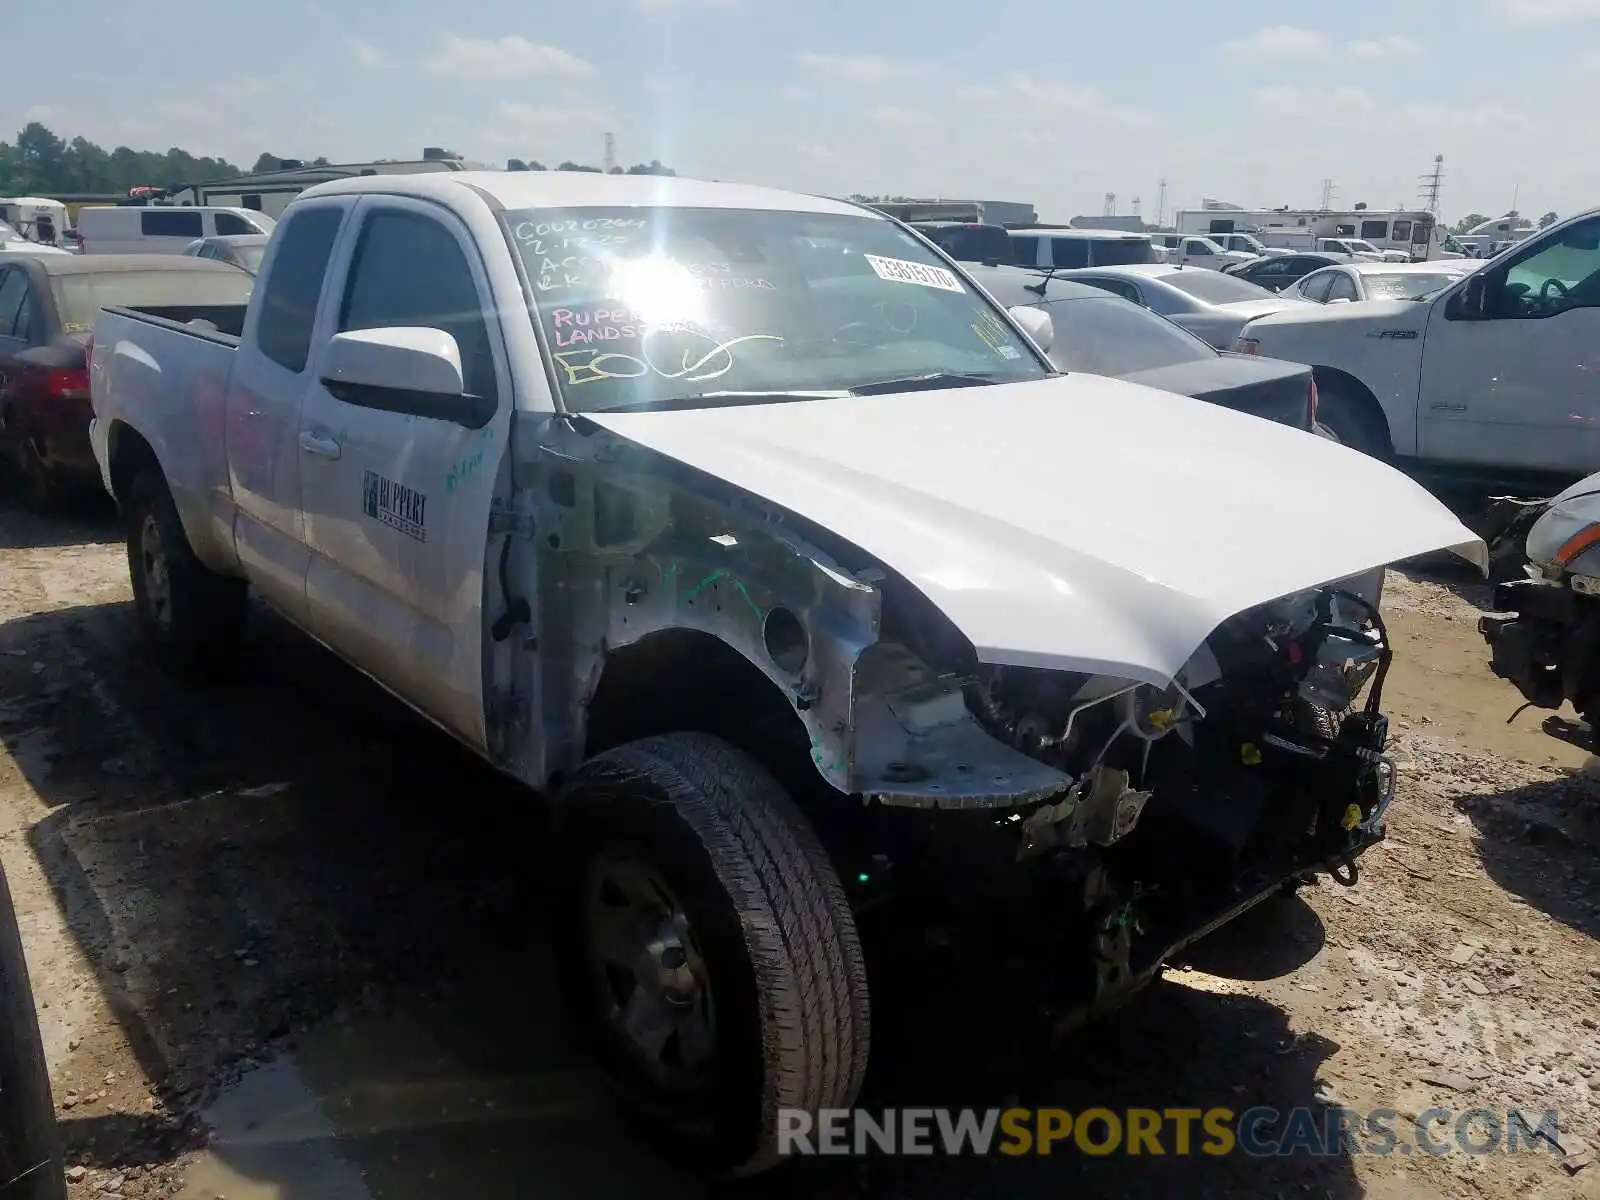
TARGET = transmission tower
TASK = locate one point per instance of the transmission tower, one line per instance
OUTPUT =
(1431, 184)
(1135, 206)
(1328, 191)
(1111, 205)
(611, 153)
(1161, 203)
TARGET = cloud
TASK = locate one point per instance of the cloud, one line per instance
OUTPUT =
(1590, 61)
(1286, 41)
(1078, 99)
(1393, 46)
(1354, 106)
(1548, 12)
(519, 121)
(865, 68)
(187, 112)
(662, 6)
(794, 92)
(41, 113)
(504, 58)
(368, 55)
(978, 93)
(815, 152)
(893, 114)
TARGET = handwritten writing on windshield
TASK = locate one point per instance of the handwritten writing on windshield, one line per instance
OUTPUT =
(701, 357)
(563, 252)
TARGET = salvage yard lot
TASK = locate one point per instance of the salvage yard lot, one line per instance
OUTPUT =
(287, 941)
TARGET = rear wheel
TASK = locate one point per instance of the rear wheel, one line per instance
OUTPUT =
(193, 616)
(30, 1145)
(710, 949)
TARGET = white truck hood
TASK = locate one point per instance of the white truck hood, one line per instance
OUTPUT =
(1074, 522)
(1379, 314)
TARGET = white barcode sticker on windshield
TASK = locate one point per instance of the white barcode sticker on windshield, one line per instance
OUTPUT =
(898, 270)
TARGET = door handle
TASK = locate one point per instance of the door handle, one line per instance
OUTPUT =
(1448, 407)
(315, 443)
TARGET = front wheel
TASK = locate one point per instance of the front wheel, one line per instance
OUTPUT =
(193, 616)
(710, 948)
(1344, 414)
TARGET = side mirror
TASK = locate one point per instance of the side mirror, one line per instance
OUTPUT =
(1471, 303)
(1036, 323)
(404, 369)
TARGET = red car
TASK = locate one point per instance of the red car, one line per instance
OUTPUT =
(48, 306)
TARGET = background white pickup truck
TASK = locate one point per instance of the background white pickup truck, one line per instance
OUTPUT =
(1494, 382)
(757, 532)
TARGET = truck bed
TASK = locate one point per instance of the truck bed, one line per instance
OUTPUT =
(214, 322)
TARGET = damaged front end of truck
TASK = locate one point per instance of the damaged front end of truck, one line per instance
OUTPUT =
(1097, 819)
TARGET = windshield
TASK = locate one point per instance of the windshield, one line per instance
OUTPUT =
(1407, 285)
(647, 305)
(1214, 287)
(1361, 247)
(250, 256)
(1106, 335)
(8, 234)
(81, 297)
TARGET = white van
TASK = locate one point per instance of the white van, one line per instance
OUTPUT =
(161, 228)
(1055, 247)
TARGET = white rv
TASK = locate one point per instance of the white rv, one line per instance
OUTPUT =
(1416, 234)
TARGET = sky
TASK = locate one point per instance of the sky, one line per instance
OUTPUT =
(1051, 103)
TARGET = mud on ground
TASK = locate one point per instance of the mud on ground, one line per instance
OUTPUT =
(286, 940)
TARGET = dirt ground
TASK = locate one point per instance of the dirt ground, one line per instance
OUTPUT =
(286, 942)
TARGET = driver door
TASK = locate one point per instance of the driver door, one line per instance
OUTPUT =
(1520, 387)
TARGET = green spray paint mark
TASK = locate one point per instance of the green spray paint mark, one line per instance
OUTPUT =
(713, 578)
(704, 584)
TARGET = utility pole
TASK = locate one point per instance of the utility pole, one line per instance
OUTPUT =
(1431, 185)
(611, 153)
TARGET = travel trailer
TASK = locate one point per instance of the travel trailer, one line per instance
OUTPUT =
(1418, 234)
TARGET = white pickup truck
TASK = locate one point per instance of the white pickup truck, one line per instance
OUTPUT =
(751, 529)
(1492, 382)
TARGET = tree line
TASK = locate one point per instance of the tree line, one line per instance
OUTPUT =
(41, 163)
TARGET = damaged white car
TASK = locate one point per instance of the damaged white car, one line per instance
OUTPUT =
(752, 530)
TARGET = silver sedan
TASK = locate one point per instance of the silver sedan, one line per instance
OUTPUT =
(1209, 304)
(1352, 282)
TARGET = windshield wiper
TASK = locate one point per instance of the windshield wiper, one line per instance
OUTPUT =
(721, 400)
(931, 381)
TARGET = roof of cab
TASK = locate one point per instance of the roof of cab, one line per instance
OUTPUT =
(575, 189)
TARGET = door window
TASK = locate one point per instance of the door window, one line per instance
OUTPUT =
(1402, 231)
(1563, 273)
(229, 224)
(293, 286)
(171, 222)
(1197, 249)
(1026, 250)
(1117, 287)
(1066, 252)
(410, 270)
(1342, 287)
(1376, 229)
(1316, 286)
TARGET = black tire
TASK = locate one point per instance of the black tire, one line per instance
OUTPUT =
(768, 947)
(1347, 414)
(30, 1144)
(194, 617)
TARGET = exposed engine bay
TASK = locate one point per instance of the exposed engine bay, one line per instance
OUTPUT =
(1189, 803)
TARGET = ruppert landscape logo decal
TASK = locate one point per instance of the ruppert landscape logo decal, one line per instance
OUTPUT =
(395, 505)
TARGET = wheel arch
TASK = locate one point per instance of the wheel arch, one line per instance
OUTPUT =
(1332, 381)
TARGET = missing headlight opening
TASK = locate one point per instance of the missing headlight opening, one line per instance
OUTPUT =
(1261, 762)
